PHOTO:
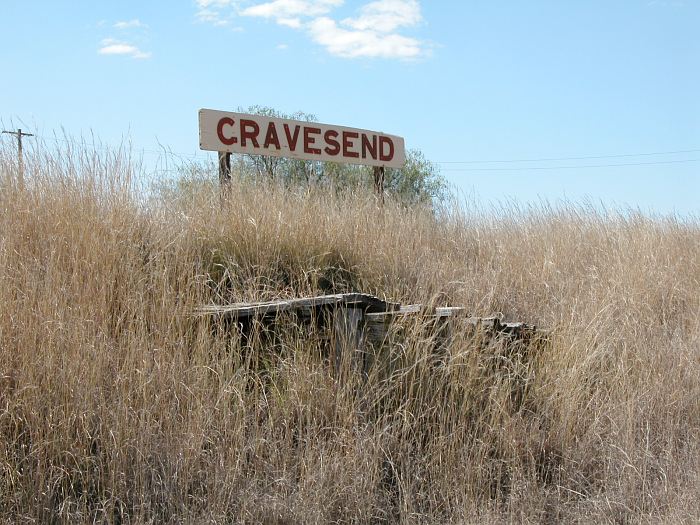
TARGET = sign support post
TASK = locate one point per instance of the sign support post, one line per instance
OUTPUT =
(224, 173)
(379, 183)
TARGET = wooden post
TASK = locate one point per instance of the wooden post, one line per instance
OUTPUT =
(225, 173)
(379, 183)
(20, 159)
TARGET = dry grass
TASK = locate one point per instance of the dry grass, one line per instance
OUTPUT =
(115, 406)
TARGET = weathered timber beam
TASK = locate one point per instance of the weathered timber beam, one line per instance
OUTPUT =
(411, 309)
(367, 303)
(378, 324)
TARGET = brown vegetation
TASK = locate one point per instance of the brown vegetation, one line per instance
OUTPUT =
(116, 406)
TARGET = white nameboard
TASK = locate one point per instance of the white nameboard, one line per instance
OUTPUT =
(259, 135)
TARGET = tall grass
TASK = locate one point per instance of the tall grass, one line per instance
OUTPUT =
(118, 406)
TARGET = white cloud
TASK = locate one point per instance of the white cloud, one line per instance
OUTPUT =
(291, 9)
(294, 23)
(130, 24)
(110, 46)
(215, 12)
(386, 16)
(362, 43)
(372, 33)
(215, 4)
(282, 47)
(208, 15)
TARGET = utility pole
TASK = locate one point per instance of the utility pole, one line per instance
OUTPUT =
(20, 161)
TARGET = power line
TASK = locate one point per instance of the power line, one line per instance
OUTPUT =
(165, 152)
(107, 148)
(525, 168)
(589, 157)
(494, 161)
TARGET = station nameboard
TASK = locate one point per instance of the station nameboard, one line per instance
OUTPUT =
(259, 135)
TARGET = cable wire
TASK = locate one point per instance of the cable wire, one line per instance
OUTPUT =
(527, 168)
(449, 169)
(589, 157)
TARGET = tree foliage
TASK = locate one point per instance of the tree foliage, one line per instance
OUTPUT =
(419, 182)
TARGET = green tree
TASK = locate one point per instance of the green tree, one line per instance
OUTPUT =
(418, 182)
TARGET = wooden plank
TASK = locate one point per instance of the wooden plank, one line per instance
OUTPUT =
(378, 324)
(442, 311)
(369, 303)
(450, 311)
(239, 310)
(306, 305)
(400, 311)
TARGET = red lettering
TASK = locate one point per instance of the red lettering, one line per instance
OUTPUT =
(333, 145)
(228, 141)
(249, 130)
(369, 146)
(386, 157)
(271, 136)
(309, 141)
(292, 139)
(347, 144)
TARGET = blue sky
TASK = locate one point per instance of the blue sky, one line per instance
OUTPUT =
(463, 81)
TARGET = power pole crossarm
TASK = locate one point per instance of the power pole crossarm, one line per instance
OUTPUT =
(20, 160)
